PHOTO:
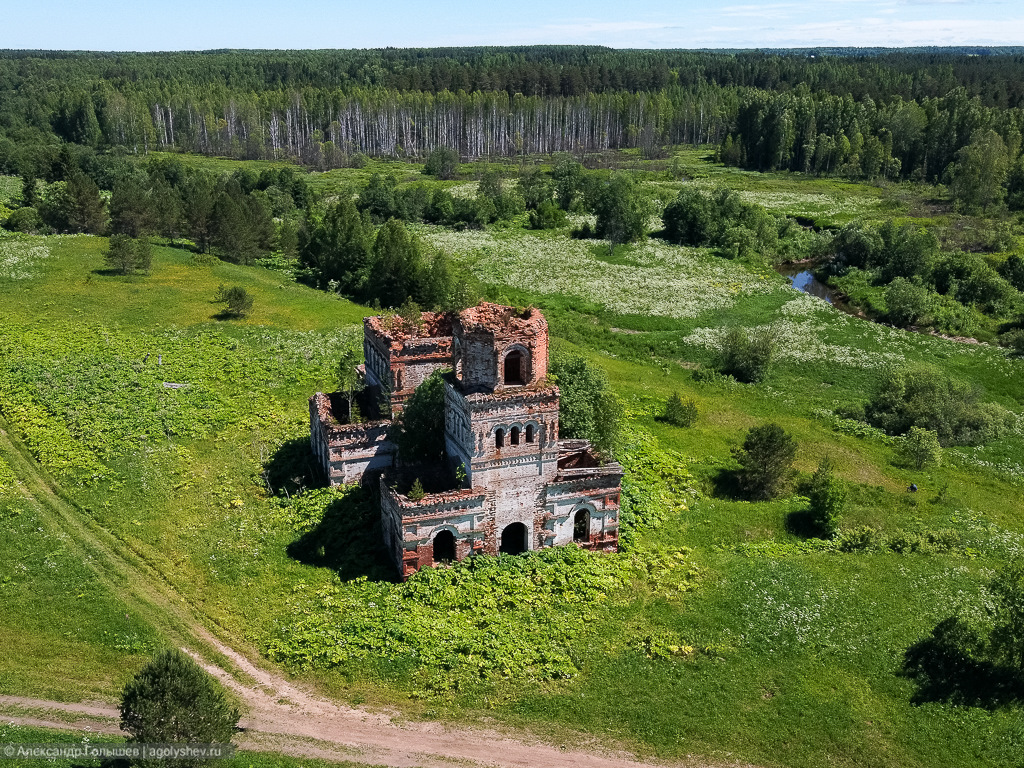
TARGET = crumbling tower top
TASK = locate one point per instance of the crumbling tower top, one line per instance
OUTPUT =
(496, 348)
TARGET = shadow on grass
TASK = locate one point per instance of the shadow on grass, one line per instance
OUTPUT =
(347, 539)
(803, 524)
(950, 666)
(725, 484)
(118, 273)
(292, 468)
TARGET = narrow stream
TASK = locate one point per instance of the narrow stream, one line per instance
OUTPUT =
(804, 280)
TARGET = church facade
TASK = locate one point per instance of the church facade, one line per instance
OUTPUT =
(522, 487)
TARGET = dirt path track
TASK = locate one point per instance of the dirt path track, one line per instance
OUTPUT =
(305, 726)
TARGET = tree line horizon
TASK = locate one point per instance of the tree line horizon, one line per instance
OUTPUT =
(891, 114)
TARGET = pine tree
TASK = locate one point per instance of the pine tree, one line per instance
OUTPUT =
(172, 700)
(766, 460)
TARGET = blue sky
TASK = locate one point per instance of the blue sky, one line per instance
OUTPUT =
(204, 24)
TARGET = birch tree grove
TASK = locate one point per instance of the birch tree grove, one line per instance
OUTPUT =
(324, 127)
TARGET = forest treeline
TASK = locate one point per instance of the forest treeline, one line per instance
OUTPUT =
(895, 114)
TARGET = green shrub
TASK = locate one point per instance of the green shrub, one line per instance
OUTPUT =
(920, 447)
(236, 300)
(417, 431)
(929, 399)
(679, 412)
(416, 493)
(25, 220)
(1008, 634)
(861, 539)
(1014, 340)
(747, 356)
(443, 163)
(766, 461)
(547, 215)
(827, 495)
(128, 255)
(588, 409)
(906, 303)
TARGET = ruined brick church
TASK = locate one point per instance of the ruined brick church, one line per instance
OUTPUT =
(523, 488)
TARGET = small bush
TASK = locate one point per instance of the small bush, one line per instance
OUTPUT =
(1014, 340)
(442, 163)
(928, 399)
(25, 220)
(416, 429)
(921, 447)
(828, 496)
(238, 302)
(588, 409)
(906, 303)
(861, 539)
(584, 232)
(747, 356)
(547, 215)
(416, 493)
(128, 255)
(679, 412)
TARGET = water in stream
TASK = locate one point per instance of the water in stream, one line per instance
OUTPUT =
(804, 280)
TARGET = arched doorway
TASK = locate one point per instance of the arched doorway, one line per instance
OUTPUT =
(514, 539)
(581, 526)
(514, 367)
(444, 547)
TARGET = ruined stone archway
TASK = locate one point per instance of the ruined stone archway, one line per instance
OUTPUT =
(515, 367)
(515, 539)
(444, 547)
(581, 526)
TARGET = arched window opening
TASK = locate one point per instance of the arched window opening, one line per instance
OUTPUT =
(514, 367)
(531, 433)
(581, 527)
(513, 436)
(444, 547)
(457, 359)
(499, 438)
(514, 539)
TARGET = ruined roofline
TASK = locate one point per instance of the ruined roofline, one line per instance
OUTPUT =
(502, 320)
(578, 460)
(458, 496)
(539, 391)
(330, 421)
(611, 469)
(396, 333)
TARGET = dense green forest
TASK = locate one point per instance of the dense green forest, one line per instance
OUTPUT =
(868, 113)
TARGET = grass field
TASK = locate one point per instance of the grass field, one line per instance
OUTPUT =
(719, 633)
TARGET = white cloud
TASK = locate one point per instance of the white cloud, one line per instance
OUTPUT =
(902, 32)
(766, 11)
